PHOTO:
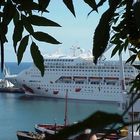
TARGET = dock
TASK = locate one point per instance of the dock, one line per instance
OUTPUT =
(11, 90)
(8, 87)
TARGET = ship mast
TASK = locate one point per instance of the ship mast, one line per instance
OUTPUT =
(122, 76)
(66, 108)
(74, 49)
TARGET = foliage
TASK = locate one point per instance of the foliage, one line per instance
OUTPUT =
(24, 15)
(121, 18)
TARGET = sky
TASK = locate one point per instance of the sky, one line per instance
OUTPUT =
(74, 31)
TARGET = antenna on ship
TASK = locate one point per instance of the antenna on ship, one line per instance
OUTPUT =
(74, 49)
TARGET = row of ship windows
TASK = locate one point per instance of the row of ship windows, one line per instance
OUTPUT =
(89, 65)
(87, 74)
(79, 66)
(80, 74)
(86, 92)
(37, 75)
(82, 87)
(59, 65)
(58, 60)
(117, 83)
(88, 70)
(85, 82)
(72, 68)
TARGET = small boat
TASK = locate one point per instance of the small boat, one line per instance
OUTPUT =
(26, 135)
(51, 129)
(48, 129)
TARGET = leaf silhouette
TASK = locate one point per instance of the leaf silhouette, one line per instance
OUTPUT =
(102, 35)
(115, 50)
(43, 4)
(28, 6)
(101, 2)
(131, 59)
(69, 4)
(22, 47)
(100, 120)
(137, 13)
(9, 11)
(27, 24)
(41, 21)
(92, 4)
(17, 35)
(40, 36)
(37, 57)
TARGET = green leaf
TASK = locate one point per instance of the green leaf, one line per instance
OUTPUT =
(137, 66)
(116, 40)
(16, 17)
(115, 19)
(101, 2)
(69, 4)
(137, 13)
(123, 33)
(92, 4)
(41, 21)
(121, 49)
(116, 29)
(102, 32)
(125, 44)
(116, 35)
(17, 35)
(27, 24)
(2, 54)
(133, 50)
(16, 1)
(8, 12)
(3, 32)
(115, 50)
(28, 6)
(40, 36)
(131, 59)
(22, 47)
(37, 57)
(3, 29)
(43, 4)
(101, 36)
(2, 3)
(1, 14)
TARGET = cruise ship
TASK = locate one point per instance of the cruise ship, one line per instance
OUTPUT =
(79, 76)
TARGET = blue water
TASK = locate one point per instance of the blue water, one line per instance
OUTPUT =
(19, 112)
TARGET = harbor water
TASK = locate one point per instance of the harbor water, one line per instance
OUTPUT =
(20, 112)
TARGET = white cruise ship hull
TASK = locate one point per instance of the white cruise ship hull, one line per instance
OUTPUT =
(78, 95)
(78, 76)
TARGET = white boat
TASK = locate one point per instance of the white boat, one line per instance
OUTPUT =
(84, 80)
(48, 129)
(26, 135)
(5, 84)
